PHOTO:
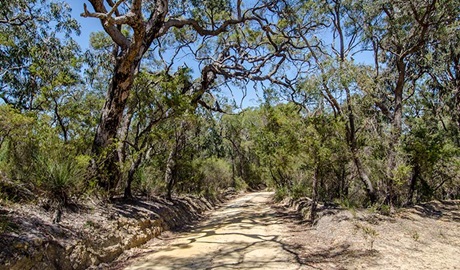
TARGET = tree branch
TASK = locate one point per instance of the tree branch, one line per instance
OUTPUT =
(107, 23)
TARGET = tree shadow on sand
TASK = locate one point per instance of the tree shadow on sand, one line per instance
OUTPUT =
(242, 248)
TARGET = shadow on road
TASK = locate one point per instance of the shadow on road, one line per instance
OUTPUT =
(244, 235)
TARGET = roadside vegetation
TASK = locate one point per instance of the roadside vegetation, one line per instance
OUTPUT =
(359, 101)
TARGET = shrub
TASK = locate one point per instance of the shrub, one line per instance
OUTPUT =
(59, 178)
(280, 194)
(216, 174)
(240, 184)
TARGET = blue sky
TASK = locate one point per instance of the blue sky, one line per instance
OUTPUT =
(88, 25)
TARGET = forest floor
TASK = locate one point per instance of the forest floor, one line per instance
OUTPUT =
(251, 232)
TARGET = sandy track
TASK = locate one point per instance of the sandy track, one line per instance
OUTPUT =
(244, 234)
(251, 233)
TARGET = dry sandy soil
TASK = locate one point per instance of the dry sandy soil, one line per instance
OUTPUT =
(250, 232)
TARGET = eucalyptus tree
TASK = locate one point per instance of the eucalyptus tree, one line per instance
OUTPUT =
(346, 29)
(399, 33)
(433, 118)
(325, 37)
(145, 109)
(146, 22)
(40, 67)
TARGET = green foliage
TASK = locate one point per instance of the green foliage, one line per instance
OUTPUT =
(347, 203)
(385, 210)
(46, 116)
(13, 124)
(148, 180)
(18, 142)
(215, 174)
(33, 60)
(212, 10)
(300, 190)
(32, 152)
(60, 178)
(293, 149)
(433, 151)
(280, 194)
(240, 184)
(401, 173)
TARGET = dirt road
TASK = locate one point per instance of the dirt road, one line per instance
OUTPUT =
(249, 233)
(244, 234)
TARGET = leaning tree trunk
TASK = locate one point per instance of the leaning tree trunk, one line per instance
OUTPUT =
(351, 126)
(132, 171)
(353, 145)
(365, 179)
(104, 145)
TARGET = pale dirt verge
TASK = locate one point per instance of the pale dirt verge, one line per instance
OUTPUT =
(414, 238)
(250, 232)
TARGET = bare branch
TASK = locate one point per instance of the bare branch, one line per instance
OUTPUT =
(115, 8)
(109, 27)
